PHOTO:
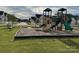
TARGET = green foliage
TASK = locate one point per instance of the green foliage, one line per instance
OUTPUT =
(7, 43)
(11, 18)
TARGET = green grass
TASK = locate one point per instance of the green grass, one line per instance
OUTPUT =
(8, 44)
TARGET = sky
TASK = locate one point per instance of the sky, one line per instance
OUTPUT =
(25, 12)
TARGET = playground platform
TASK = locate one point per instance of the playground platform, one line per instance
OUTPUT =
(32, 32)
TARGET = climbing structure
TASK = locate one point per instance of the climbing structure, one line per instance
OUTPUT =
(62, 15)
(47, 19)
(65, 20)
(62, 21)
(59, 22)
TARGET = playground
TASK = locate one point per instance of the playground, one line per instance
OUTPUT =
(48, 34)
(61, 24)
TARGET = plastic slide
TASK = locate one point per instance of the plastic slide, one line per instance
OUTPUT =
(67, 26)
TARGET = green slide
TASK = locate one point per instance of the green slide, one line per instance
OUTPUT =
(67, 26)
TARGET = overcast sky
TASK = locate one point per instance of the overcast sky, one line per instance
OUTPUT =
(28, 11)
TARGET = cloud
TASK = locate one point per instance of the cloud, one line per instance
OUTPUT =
(6, 9)
(28, 11)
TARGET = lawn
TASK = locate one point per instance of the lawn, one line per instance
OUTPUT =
(9, 44)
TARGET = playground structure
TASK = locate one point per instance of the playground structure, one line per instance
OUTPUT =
(47, 19)
(62, 21)
(59, 25)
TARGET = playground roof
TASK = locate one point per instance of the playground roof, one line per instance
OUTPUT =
(38, 15)
(47, 9)
(62, 9)
(5, 14)
(55, 18)
(33, 17)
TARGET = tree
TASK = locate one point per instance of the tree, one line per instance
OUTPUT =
(11, 20)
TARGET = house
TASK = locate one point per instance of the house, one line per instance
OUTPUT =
(3, 17)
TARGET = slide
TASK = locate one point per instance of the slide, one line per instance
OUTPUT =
(67, 26)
